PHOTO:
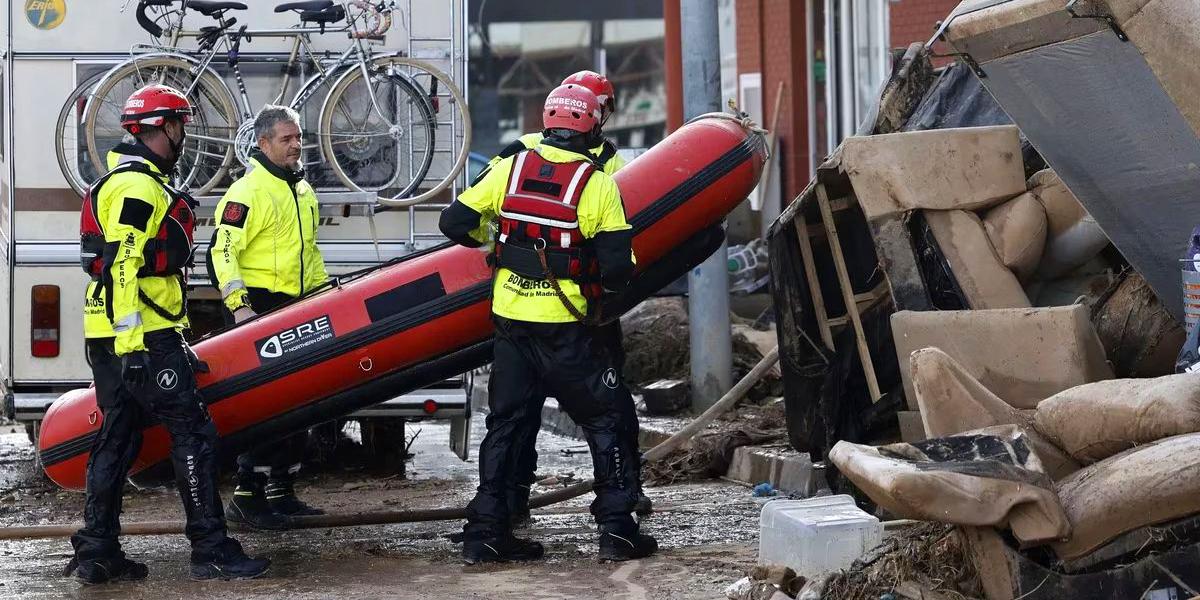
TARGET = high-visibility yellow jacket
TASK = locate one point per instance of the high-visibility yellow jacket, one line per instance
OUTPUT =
(600, 210)
(607, 150)
(131, 206)
(266, 235)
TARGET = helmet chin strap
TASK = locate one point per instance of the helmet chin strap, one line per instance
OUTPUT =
(594, 137)
(176, 147)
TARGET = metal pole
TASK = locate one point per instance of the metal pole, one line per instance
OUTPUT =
(847, 70)
(599, 56)
(674, 62)
(708, 284)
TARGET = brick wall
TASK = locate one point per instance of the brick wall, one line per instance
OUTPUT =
(749, 36)
(777, 48)
(915, 20)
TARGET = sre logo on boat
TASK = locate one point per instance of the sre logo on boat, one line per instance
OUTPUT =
(295, 339)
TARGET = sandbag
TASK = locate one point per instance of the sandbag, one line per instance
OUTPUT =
(1072, 236)
(951, 401)
(1017, 230)
(1140, 336)
(1111, 102)
(1097, 420)
(1150, 484)
(981, 275)
(988, 477)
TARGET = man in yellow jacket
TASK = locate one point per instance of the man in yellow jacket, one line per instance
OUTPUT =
(561, 240)
(136, 244)
(604, 154)
(264, 253)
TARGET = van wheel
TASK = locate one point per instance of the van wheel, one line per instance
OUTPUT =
(155, 476)
(33, 430)
(385, 445)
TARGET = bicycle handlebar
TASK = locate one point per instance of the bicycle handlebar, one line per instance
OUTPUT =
(145, 21)
(379, 14)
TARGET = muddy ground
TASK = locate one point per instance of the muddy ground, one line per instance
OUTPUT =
(708, 532)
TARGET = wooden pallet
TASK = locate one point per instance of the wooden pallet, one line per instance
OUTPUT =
(855, 303)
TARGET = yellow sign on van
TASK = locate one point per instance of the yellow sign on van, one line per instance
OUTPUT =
(45, 14)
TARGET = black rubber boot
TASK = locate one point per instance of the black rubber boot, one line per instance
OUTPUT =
(501, 549)
(518, 507)
(105, 570)
(281, 497)
(644, 506)
(230, 562)
(521, 520)
(617, 547)
(249, 506)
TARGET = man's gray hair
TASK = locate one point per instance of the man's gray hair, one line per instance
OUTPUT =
(264, 122)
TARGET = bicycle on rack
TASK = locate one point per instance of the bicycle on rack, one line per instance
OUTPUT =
(378, 123)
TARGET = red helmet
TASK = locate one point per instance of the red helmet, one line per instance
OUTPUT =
(571, 107)
(600, 86)
(153, 105)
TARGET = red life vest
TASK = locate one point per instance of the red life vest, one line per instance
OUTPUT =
(169, 252)
(540, 212)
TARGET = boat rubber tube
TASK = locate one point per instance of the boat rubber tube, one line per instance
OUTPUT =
(419, 319)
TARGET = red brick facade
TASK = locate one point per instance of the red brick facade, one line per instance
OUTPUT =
(915, 20)
(771, 39)
(777, 48)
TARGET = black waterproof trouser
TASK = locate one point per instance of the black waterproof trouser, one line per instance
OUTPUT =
(567, 361)
(170, 397)
(277, 460)
(610, 337)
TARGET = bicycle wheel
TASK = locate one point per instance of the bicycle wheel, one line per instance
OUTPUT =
(208, 150)
(70, 144)
(379, 132)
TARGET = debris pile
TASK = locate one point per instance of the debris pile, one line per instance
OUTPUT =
(656, 345)
(766, 583)
(709, 454)
(929, 557)
(973, 338)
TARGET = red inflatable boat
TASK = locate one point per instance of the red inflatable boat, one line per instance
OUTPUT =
(422, 318)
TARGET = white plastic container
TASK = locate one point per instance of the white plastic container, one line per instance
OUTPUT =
(816, 535)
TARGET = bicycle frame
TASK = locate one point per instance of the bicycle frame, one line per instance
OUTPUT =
(355, 52)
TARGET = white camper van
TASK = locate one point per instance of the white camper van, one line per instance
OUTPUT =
(54, 53)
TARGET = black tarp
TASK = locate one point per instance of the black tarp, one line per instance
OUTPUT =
(958, 99)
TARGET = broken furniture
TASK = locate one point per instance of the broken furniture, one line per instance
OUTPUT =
(984, 477)
(1021, 355)
(952, 401)
(1106, 91)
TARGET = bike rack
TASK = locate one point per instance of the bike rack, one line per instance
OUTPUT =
(449, 52)
(444, 46)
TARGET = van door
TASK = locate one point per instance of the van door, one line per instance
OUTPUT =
(6, 239)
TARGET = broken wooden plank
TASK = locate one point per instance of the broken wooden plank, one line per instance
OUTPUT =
(839, 263)
(915, 591)
(814, 284)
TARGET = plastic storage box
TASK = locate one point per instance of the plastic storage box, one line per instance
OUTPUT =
(816, 535)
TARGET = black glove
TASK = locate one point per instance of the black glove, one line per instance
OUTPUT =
(135, 369)
(198, 366)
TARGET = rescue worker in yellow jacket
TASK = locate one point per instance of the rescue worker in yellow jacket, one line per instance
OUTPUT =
(561, 240)
(136, 244)
(604, 154)
(263, 254)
